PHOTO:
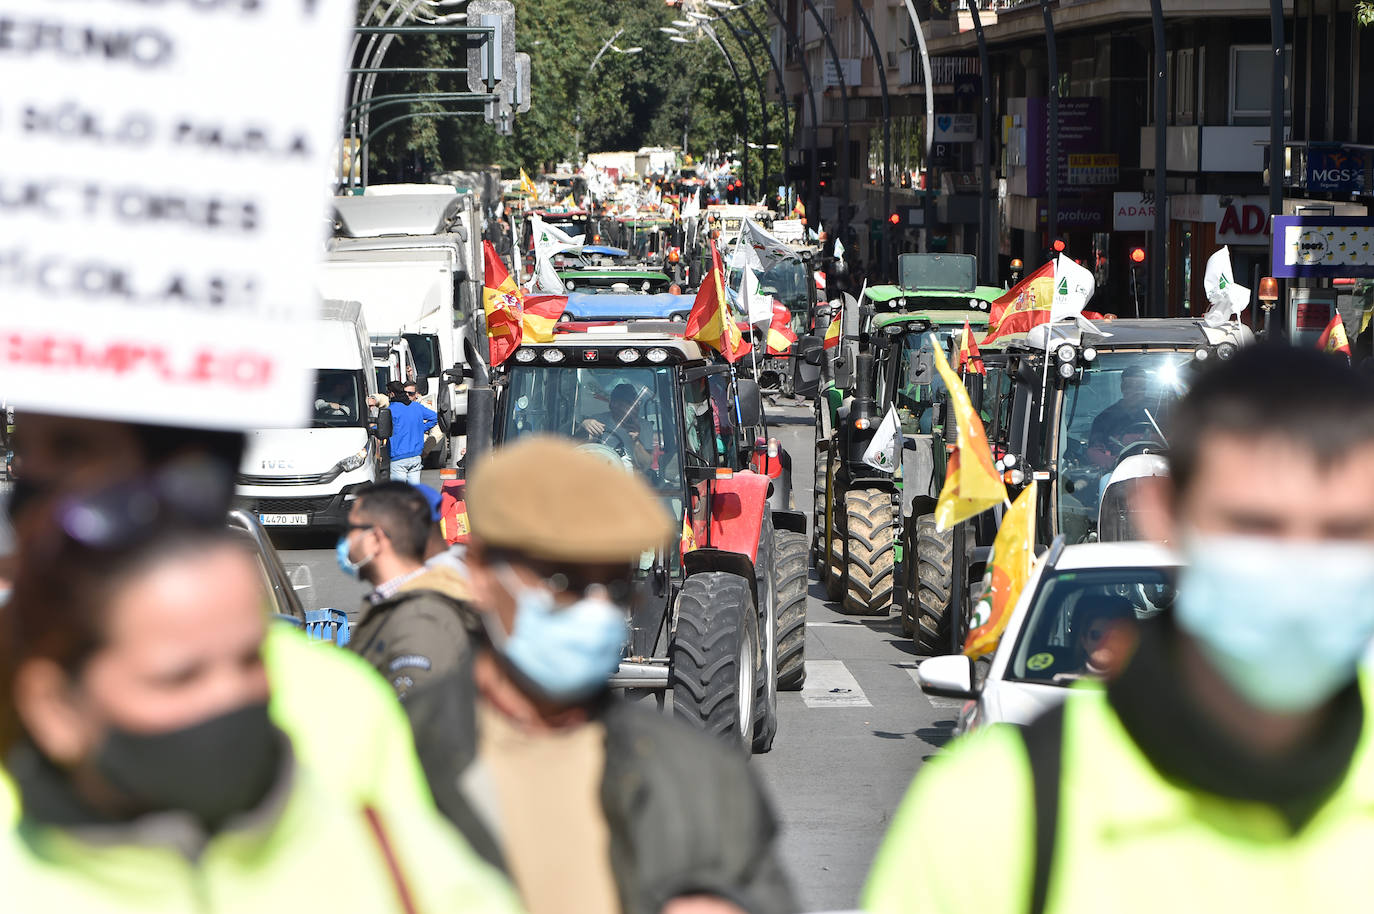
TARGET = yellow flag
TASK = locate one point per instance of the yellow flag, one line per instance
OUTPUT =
(972, 484)
(1009, 567)
(527, 185)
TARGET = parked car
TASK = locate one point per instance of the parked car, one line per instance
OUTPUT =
(1057, 631)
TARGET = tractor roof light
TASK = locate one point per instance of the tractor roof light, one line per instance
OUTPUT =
(553, 356)
(1066, 353)
(1201, 354)
(657, 356)
(1013, 477)
(525, 355)
(1066, 370)
(861, 423)
(1016, 263)
(628, 355)
(1226, 350)
(1089, 354)
(1009, 461)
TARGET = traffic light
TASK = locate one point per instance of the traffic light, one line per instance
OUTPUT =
(1137, 255)
(1058, 245)
(895, 219)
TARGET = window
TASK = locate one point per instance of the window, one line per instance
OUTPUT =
(1249, 95)
(1184, 86)
(338, 399)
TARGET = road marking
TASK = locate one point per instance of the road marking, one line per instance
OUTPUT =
(829, 684)
(832, 624)
(935, 700)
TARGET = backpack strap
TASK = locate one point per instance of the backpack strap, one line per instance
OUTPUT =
(1044, 740)
(393, 865)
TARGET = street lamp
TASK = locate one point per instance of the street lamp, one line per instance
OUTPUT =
(680, 40)
(684, 23)
(668, 30)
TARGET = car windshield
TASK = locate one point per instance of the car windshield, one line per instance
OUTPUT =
(338, 399)
(1068, 633)
(786, 282)
(626, 414)
(1114, 410)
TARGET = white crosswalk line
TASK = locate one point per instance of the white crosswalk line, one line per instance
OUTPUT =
(829, 684)
(935, 700)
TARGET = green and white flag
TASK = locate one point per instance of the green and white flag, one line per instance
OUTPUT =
(1226, 296)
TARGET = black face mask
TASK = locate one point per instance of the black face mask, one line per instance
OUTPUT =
(213, 769)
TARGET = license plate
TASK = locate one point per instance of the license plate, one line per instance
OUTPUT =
(284, 520)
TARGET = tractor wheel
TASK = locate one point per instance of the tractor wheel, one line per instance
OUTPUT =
(910, 584)
(766, 586)
(868, 528)
(791, 580)
(821, 472)
(711, 657)
(934, 577)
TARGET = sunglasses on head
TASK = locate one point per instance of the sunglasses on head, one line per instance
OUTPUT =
(192, 494)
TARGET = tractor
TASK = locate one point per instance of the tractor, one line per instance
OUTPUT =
(868, 521)
(718, 621)
(1084, 414)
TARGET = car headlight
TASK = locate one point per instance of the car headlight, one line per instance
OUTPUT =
(349, 464)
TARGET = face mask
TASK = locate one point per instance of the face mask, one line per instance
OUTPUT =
(567, 654)
(1285, 623)
(213, 769)
(346, 563)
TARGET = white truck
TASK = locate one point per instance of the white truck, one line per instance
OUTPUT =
(308, 477)
(407, 257)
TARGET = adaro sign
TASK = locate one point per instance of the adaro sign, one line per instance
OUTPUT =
(163, 174)
(1133, 211)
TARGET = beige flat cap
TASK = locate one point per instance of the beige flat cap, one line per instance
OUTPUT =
(550, 499)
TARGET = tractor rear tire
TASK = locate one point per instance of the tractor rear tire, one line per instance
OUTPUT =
(934, 579)
(791, 579)
(712, 670)
(872, 552)
(821, 473)
(766, 586)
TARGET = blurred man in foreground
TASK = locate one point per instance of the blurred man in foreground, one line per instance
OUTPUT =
(1230, 762)
(590, 803)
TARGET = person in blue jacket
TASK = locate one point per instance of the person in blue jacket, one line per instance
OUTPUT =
(410, 420)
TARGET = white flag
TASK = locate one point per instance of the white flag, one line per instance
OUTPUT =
(768, 251)
(839, 249)
(692, 208)
(548, 241)
(1226, 296)
(1073, 288)
(756, 305)
(881, 453)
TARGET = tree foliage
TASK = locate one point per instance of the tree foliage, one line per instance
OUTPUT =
(626, 102)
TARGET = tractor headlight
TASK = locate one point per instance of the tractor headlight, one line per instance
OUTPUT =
(553, 356)
(1201, 354)
(628, 355)
(1065, 353)
(1066, 370)
(657, 356)
(1226, 350)
(525, 355)
(351, 463)
(1089, 354)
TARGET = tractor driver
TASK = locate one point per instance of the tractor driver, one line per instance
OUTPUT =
(1128, 412)
(621, 429)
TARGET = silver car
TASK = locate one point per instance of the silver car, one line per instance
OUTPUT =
(1060, 631)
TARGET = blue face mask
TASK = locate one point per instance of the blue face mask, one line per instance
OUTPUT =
(346, 563)
(568, 654)
(1285, 623)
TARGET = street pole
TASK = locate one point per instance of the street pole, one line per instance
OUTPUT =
(776, 6)
(1159, 301)
(782, 89)
(577, 121)
(987, 255)
(885, 251)
(1277, 157)
(1052, 210)
(930, 120)
(763, 103)
(743, 109)
(843, 158)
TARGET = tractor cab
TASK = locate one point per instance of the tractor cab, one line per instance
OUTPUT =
(705, 624)
(1083, 412)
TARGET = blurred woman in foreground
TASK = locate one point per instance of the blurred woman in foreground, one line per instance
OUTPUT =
(134, 722)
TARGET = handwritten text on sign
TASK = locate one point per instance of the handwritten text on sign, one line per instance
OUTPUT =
(164, 167)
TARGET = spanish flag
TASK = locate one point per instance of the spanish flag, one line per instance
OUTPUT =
(688, 541)
(540, 313)
(972, 484)
(1333, 338)
(781, 339)
(969, 358)
(501, 300)
(832, 333)
(1023, 305)
(1009, 567)
(710, 321)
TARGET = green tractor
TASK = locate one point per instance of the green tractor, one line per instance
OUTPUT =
(1084, 414)
(869, 522)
